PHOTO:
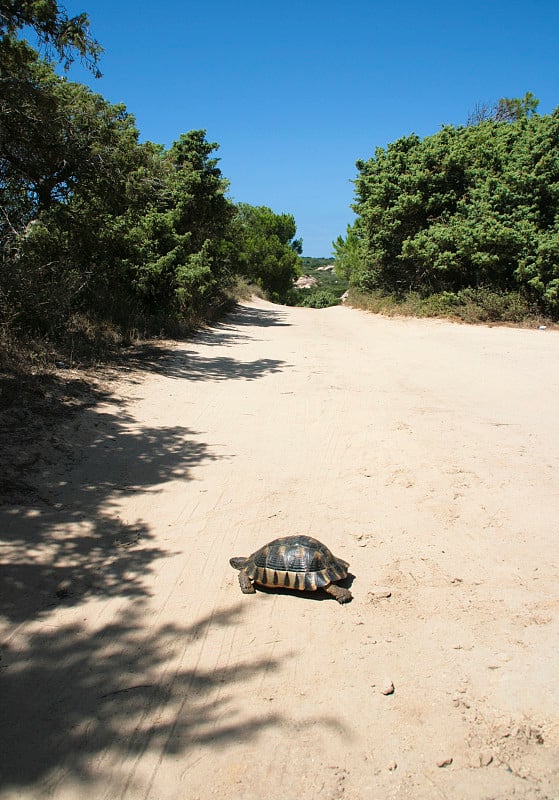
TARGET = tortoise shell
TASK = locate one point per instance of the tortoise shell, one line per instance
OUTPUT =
(293, 562)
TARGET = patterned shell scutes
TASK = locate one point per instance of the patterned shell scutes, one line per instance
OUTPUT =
(296, 562)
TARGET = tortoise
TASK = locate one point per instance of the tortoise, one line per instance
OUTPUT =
(293, 562)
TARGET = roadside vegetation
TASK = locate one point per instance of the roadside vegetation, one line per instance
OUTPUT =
(463, 223)
(104, 238)
(327, 286)
(475, 305)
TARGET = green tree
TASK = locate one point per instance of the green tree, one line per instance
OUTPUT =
(54, 134)
(507, 109)
(198, 190)
(72, 179)
(474, 206)
(57, 34)
(183, 264)
(263, 248)
(347, 253)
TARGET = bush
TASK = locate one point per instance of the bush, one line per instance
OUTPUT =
(471, 207)
(309, 298)
(474, 305)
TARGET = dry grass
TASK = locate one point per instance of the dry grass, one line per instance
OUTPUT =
(473, 306)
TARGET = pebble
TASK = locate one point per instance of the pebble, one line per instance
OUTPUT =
(485, 759)
(63, 588)
(387, 687)
(445, 762)
(379, 594)
(392, 766)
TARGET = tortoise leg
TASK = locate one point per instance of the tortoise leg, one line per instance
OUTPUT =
(245, 583)
(342, 595)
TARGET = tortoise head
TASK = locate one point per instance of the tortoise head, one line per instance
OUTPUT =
(239, 562)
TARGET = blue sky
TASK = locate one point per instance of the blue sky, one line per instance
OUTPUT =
(295, 92)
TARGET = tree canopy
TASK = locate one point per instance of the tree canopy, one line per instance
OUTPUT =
(58, 35)
(264, 248)
(94, 223)
(467, 207)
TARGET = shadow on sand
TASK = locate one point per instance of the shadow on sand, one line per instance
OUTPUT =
(190, 365)
(72, 691)
(71, 698)
(65, 541)
(67, 698)
(60, 528)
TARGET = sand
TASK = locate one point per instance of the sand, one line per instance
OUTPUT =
(425, 453)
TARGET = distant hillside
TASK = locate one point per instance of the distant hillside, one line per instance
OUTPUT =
(322, 270)
(324, 288)
(312, 263)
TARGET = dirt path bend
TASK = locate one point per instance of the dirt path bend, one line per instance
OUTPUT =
(424, 453)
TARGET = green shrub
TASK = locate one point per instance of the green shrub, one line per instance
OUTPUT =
(473, 305)
(472, 207)
(309, 298)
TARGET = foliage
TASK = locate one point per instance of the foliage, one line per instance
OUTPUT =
(328, 290)
(57, 33)
(98, 229)
(313, 298)
(311, 263)
(347, 252)
(473, 305)
(73, 180)
(263, 248)
(474, 206)
(507, 109)
(177, 263)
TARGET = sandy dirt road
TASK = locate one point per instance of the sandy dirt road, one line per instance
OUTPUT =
(424, 453)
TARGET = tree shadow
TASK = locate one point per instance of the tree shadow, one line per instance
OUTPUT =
(191, 365)
(68, 456)
(70, 692)
(70, 696)
(160, 357)
(227, 331)
(258, 317)
(182, 364)
(66, 541)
